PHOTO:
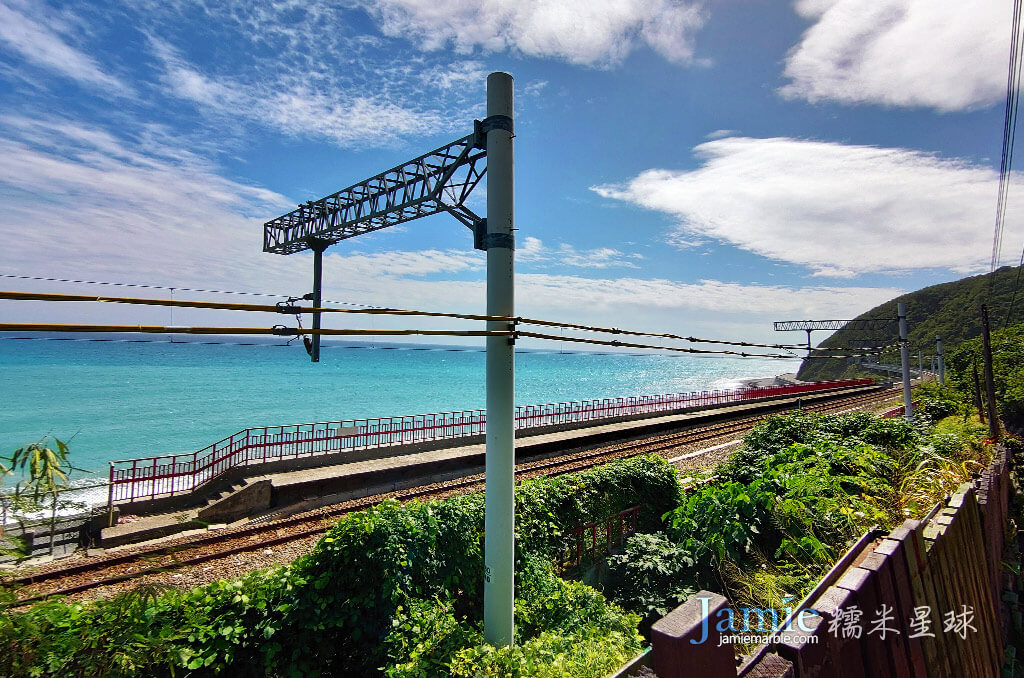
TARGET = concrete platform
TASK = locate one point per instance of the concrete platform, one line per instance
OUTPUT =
(308, 488)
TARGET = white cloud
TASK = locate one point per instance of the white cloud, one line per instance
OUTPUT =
(579, 31)
(42, 46)
(946, 54)
(296, 108)
(707, 308)
(533, 251)
(89, 203)
(401, 264)
(840, 210)
(85, 203)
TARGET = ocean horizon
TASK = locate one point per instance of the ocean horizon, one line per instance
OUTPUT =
(121, 397)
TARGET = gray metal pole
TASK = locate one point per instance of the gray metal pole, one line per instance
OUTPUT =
(941, 359)
(318, 276)
(499, 512)
(908, 408)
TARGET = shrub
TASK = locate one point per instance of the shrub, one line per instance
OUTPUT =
(370, 579)
(651, 576)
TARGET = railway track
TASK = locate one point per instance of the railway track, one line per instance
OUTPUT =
(159, 563)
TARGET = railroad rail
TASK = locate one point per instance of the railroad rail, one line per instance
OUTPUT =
(112, 570)
(171, 474)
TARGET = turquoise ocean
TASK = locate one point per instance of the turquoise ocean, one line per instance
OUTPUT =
(122, 399)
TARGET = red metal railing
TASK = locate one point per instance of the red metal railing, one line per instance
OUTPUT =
(899, 411)
(596, 539)
(171, 474)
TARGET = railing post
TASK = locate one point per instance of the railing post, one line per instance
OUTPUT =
(110, 497)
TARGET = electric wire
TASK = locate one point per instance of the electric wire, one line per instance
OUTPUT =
(166, 287)
(280, 330)
(600, 342)
(277, 330)
(1009, 132)
(297, 310)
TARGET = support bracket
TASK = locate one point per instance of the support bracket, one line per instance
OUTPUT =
(482, 127)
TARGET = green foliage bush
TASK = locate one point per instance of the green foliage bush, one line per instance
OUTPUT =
(396, 586)
(798, 491)
(777, 433)
(651, 576)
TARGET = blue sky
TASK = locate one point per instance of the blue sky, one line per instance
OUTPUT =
(695, 167)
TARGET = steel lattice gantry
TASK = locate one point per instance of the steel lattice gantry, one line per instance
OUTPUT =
(869, 324)
(439, 181)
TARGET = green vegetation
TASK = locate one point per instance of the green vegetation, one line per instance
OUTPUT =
(44, 476)
(1007, 366)
(393, 589)
(789, 502)
(950, 310)
(396, 590)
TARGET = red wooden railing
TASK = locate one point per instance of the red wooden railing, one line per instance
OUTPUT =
(171, 474)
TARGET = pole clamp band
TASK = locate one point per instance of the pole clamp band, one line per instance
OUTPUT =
(482, 127)
(482, 240)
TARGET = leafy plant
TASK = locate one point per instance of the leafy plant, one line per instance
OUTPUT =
(45, 476)
(651, 576)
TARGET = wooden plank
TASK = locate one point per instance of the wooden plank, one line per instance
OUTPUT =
(945, 593)
(896, 550)
(911, 533)
(845, 653)
(893, 633)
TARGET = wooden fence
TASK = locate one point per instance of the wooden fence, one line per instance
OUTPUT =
(922, 601)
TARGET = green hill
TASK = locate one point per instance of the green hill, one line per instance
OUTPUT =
(951, 310)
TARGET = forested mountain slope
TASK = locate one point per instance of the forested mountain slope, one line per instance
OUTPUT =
(950, 310)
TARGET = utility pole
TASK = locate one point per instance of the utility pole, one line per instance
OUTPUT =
(941, 359)
(977, 392)
(908, 407)
(499, 491)
(990, 382)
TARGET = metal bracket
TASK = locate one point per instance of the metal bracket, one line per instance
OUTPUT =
(482, 127)
(282, 331)
(289, 306)
(482, 240)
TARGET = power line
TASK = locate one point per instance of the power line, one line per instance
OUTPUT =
(291, 309)
(165, 287)
(277, 330)
(1009, 131)
(555, 337)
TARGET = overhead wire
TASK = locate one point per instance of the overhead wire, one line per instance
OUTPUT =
(277, 330)
(291, 309)
(164, 287)
(1009, 132)
(280, 330)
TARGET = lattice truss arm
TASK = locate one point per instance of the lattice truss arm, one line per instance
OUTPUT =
(868, 324)
(439, 181)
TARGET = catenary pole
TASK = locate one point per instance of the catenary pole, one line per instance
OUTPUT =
(941, 359)
(499, 512)
(908, 408)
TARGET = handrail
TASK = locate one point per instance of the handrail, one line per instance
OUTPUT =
(171, 474)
